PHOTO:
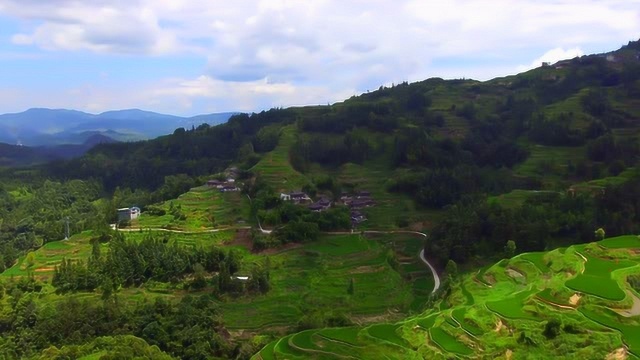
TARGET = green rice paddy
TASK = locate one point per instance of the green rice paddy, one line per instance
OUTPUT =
(484, 319)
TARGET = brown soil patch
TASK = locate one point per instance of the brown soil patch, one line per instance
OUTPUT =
(560, 306)
(280, 249)
(499, 326)
(417, 226)
(389, 316)
(635, 308)
(618, 354)
(242, 238)
(575, 299)
(366, 269)
(491, 279)
(514, 273)
(45, 269)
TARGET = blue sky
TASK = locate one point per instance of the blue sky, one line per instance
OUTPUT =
(202, 56)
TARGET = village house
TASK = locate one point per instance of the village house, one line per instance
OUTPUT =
(361, 203)
(321, 205)
(358, 217)
(363, 194)
(128, 214)
(315, 207)
(215, 183)
(229, 188)
(232, 172)
(296, 197)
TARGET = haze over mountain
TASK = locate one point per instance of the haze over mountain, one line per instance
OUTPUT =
(47, 127)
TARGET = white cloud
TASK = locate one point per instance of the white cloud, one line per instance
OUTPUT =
(242, 95)
(323, 48)
(552, 56)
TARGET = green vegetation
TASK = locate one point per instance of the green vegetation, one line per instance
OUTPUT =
(524, 164)
(204, 208)
(597, 277)
(541, 318)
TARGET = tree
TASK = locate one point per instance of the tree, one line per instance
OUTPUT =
(599, 234)
(350, 288)
(552, 329)
(95, 250)
(510, 249)
(451, 269)
(30, 260)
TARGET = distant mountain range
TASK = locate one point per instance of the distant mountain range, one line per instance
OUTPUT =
(50, 127)
(19, 155)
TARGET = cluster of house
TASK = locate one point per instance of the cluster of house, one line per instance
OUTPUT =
(297, 197)
(224, 186)
(356, 202)
(128, 214)
(227, 185)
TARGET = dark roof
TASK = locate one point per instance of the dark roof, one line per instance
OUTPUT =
(315, 207)
(324, 202)
(367, 202)
(298, 194)
(364, 193)
(214, 182)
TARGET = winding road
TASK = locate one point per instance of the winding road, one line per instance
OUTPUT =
(436, 278)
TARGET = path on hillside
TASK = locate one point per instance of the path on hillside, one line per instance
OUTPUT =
(184, 231)
(436, 278)
(258, 219)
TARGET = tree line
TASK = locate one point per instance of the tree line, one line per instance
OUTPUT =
(129, 263)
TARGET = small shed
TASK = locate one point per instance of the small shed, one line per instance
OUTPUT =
(128, 214)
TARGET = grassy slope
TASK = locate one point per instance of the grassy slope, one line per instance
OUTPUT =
(275, 168)
(307, 278)
(517, 296)
(204, 207)
(315, 278)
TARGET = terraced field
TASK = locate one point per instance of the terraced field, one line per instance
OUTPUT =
(78, 247)
(501, 312)
(204, 208)
(313, 280)
(275, 167)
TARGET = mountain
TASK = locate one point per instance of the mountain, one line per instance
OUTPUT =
(20, 155)
(46, 127)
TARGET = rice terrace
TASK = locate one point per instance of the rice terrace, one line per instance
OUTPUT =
(549, 299)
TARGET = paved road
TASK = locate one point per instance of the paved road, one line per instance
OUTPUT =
(436, 278)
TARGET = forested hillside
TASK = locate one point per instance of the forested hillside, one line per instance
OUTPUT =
(487, 170)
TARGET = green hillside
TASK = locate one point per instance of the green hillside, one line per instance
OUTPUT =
(298, 233)
(535, 305)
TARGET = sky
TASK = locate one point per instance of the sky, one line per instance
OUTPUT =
(204, 56)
